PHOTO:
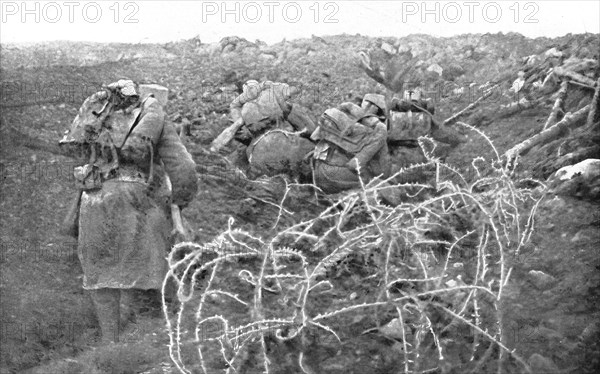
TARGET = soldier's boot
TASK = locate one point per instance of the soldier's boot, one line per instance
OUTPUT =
(107, 302)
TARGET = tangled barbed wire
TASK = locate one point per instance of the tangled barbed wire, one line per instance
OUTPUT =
(428, 276)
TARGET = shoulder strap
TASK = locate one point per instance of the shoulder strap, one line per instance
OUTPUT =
(137, 120)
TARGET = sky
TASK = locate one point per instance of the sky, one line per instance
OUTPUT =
(272, 21)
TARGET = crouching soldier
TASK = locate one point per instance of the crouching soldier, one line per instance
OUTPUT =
(264, 106)
(260, 109)
(137, 169)
(351, 140)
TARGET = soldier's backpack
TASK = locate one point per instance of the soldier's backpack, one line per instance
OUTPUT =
(343, 130)
(267, 104)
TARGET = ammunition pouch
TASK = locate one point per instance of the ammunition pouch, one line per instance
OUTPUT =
(344, 131)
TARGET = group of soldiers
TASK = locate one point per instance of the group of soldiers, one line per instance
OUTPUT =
(138, 175)
(349, 142)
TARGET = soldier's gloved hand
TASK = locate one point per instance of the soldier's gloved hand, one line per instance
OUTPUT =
(353, 165)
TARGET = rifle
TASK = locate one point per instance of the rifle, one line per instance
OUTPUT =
(70, 225)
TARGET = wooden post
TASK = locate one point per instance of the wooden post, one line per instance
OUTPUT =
(595, 104)
(470, 106)
(226, 136)
(546, 135)
(558, 104)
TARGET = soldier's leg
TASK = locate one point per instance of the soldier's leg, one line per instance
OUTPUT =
(127, 307)
(376, 142)
(107, 302)
(333, 179)
(381, 163)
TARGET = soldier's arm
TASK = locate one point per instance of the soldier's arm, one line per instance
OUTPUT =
(368, 120)
(377, 140)
(179, 165)
(137, 146)
(371, 122)
(78, 151)
(235, 108)
(352, 109)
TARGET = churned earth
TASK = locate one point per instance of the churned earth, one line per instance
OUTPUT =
(48, 322)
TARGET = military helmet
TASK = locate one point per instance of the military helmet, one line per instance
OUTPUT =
(377, 100)
(249, 84)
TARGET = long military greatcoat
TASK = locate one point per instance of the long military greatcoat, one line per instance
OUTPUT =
(124, 226)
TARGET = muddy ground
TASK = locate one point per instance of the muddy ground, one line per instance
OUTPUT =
(48, 321)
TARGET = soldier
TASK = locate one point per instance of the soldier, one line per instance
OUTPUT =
(137, 166)
(264, 106)
(351, 139)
